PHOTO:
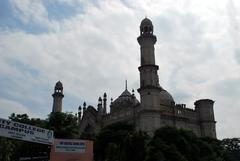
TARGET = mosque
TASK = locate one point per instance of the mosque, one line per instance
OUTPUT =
(156, 107)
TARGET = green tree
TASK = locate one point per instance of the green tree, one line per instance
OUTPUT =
(231, 149)
(6, 149)
(171, 144)
(120, 142)
(135, 143)
(112, 152)
(24, 118)
(64, 125)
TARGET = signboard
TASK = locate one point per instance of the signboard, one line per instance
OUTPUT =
(74, 146)
(71, 150)
(16, 130)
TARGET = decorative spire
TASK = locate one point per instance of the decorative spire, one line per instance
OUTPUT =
(105, 103)
(99, 100)
(133, 92)
(84, 106)
(79, 114)
(111, 100)
(126, 84)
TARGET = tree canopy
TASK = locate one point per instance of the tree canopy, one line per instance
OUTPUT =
(121, 142)
(64, 125)
(231, 149)
(171, 144)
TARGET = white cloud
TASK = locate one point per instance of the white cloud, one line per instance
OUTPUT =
(8, 107)
(28, 10)
(96, 51)
(34, 12)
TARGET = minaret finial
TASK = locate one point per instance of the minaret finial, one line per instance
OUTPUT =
(126, 84)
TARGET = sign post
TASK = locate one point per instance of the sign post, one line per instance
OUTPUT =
(20, 131)
(72, 149)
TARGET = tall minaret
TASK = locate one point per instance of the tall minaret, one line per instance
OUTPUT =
(57, 97)
(149, 83)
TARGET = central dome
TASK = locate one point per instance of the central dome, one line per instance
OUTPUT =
(125, 100)
(125, 96)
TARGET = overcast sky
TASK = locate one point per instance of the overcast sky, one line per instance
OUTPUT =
(91, 47)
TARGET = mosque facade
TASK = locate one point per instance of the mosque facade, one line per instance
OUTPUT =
(156, 107)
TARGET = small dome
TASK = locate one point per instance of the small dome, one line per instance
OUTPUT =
(146, 22)
(58, 86)
(166, 98)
